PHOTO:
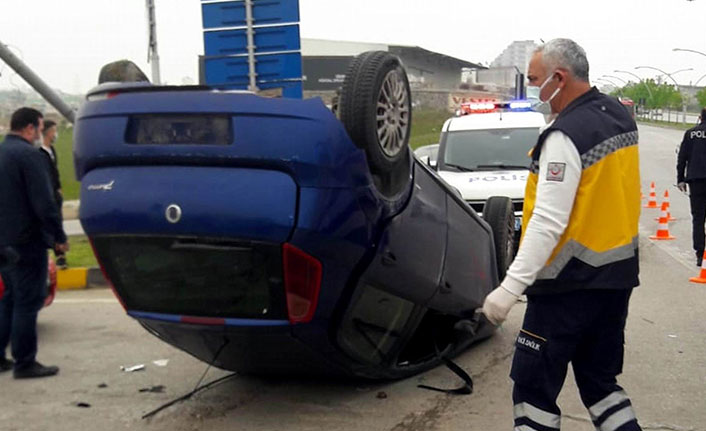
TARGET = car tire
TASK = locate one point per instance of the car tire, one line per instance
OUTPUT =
(375, 107)
(498, 213)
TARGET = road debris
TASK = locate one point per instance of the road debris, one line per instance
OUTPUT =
(161, 362)
(381, 395)
(82, 405)
(159, 389)
(133, 368)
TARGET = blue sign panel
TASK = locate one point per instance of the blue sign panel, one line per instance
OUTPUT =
(232, 14)
(277, 46)
(269, 67)
(266, 39)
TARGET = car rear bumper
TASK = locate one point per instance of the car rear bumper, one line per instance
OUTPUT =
(249, 346)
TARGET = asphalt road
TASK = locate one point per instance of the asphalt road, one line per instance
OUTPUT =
(88, 334)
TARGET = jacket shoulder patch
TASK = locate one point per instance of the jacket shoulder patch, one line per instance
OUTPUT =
(555, 171)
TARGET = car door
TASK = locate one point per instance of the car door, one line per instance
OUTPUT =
(410, 255)
(469, 272)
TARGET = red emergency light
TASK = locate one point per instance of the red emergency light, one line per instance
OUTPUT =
(478, 106)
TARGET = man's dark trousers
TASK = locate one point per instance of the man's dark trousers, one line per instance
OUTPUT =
(584, 328)
(697, 196)
(25, 292)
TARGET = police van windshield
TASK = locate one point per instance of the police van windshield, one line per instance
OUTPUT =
(490, 149)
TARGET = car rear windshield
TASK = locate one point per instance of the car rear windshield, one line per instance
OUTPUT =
(195, 276)
(492, 148)
(168, 129)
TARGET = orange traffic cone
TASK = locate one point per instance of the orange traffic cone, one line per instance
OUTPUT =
(665, 206)
(652, 199)
(663, 228)
(702, 274)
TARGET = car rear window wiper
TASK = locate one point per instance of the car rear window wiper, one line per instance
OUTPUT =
(459, 167)
(502, 166)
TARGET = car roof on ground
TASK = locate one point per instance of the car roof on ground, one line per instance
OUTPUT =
(495, 120)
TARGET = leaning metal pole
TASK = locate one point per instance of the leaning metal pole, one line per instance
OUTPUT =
(36, 82)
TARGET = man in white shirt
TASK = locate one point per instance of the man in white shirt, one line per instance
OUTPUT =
(578, 257)
(49, 135)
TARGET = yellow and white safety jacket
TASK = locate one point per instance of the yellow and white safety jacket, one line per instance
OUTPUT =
(582, 202)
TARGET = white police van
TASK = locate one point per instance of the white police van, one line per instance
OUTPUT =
(484, 151)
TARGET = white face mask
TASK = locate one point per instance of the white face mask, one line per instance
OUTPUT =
(543, 106)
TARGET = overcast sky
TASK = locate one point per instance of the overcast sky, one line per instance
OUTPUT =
(66, 42)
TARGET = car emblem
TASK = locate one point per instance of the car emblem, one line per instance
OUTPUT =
(173, 213)
(104, 187)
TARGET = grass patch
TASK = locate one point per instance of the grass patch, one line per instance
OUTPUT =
(64, 147)
(426, 127)
(81, 253)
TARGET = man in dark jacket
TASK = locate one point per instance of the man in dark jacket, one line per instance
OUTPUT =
(691, 170)
(49, 135)
(29, 224)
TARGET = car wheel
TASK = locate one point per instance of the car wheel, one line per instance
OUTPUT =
(376, 110)
(498, 213)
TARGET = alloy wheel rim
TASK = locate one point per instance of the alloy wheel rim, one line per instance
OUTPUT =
(392, 114)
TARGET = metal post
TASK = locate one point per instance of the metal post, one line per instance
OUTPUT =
(152, 55)
(251, 45)
(36, 82)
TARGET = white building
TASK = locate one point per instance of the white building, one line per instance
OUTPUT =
(517, 54)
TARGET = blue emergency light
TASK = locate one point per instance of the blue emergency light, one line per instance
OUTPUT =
(520, 105)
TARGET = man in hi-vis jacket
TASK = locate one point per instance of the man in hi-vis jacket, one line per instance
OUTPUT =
(578, 258)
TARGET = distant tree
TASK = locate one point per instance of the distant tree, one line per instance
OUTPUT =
(701, 97)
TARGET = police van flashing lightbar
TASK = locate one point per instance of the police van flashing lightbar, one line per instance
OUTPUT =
(486, 106)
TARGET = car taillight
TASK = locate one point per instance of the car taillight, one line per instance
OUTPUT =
(302, 282)
(105, 275)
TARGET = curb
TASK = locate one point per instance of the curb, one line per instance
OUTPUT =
(69, 209)
(79, 278)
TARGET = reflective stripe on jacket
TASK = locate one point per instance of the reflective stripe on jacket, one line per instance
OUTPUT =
(598, 249)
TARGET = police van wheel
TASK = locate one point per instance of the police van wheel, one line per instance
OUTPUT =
(375, 107)
(498, 213)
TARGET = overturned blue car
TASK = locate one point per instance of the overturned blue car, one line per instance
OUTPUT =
(278, 236)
